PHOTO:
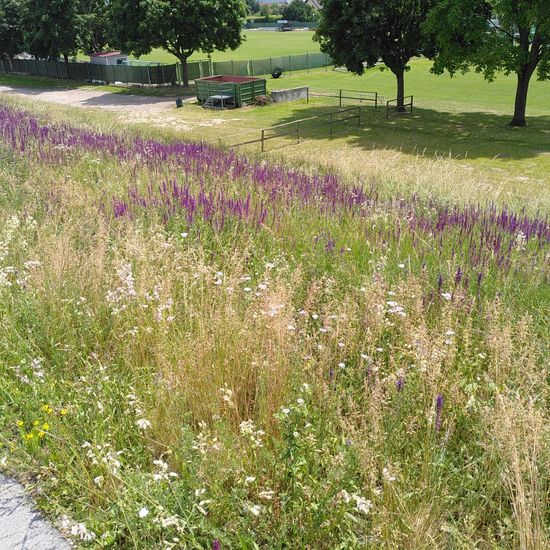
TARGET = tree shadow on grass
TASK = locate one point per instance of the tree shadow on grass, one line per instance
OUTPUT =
(427, 132)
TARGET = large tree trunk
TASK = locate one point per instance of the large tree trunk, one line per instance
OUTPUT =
(400, 76)
(184, 70)
(66, 58)
(521, 99)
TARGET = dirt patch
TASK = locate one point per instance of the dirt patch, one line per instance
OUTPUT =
(129, 108)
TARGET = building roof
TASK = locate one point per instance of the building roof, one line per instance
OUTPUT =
(107, 54)
(315, 3)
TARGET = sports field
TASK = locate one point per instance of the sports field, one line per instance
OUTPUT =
(257, 45)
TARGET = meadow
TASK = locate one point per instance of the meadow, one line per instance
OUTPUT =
(341, 344)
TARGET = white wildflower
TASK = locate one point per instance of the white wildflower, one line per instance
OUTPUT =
(143, 512)
(143, 424)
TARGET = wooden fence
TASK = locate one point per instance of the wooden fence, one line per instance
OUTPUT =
(297, 129)
(342, 95)
(390, 107)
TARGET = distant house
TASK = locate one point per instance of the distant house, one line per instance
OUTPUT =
(109, 58)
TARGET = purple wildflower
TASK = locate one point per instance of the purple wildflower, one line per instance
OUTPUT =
(438, 412)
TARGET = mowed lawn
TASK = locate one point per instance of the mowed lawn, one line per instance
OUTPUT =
(257, 45)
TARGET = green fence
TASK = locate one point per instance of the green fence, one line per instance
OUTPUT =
(156, 75)
(259, 67)
(150, 75)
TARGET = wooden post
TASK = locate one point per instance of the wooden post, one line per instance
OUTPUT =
(330, 125)
(340, 98)
(359, 115)
(298, 131)
(307, 92)
(307, 63)
(263, 141)
(412, 97)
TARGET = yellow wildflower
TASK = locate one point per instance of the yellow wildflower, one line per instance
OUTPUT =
(20, 423)
(47, 409)
(63, 412)
(29, 436)
(45, 426)
(41, 434)
(35, 423)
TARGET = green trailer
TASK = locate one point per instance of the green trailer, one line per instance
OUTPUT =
(226, 92)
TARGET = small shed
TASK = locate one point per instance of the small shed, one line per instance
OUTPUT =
(109, 58)
(227, 91)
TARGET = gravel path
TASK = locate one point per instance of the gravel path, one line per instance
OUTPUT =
(159, 111)
(89, 97)
(21, 526)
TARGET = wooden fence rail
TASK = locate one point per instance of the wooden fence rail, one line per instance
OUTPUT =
(346, 94)
(297, 126)
(390, 107)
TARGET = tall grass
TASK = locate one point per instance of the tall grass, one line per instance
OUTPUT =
(201, 350)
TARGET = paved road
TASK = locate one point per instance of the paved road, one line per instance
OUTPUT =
(21, 527)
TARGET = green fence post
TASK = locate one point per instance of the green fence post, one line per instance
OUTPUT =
(252, 67)
(330, 125)
(233, 67)
(271, 65)
(290, 63)
(307, 63)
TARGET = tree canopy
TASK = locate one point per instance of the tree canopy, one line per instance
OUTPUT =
(51, 27)
(359, 33)
(252, 6)
(93, 35)
(11, 33)
(180, 27)
(512, 36)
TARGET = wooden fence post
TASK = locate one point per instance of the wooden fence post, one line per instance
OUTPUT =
(263, 141)
(340, 98)
(359, 115)
(330, 125)
(298, 131)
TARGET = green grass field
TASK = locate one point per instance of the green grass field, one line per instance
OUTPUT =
(257, 45)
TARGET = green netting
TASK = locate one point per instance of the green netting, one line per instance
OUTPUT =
(194, 71)
(261, 66)
(223, 67)
(241, 68)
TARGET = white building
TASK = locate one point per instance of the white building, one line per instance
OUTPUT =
(109, 58)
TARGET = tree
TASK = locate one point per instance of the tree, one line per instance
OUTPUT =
(252, 6)
(93, 36)
(358, 33)
(51, 27)
(11, 35)
(512, 36)
(181, 27)
(298, 10)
